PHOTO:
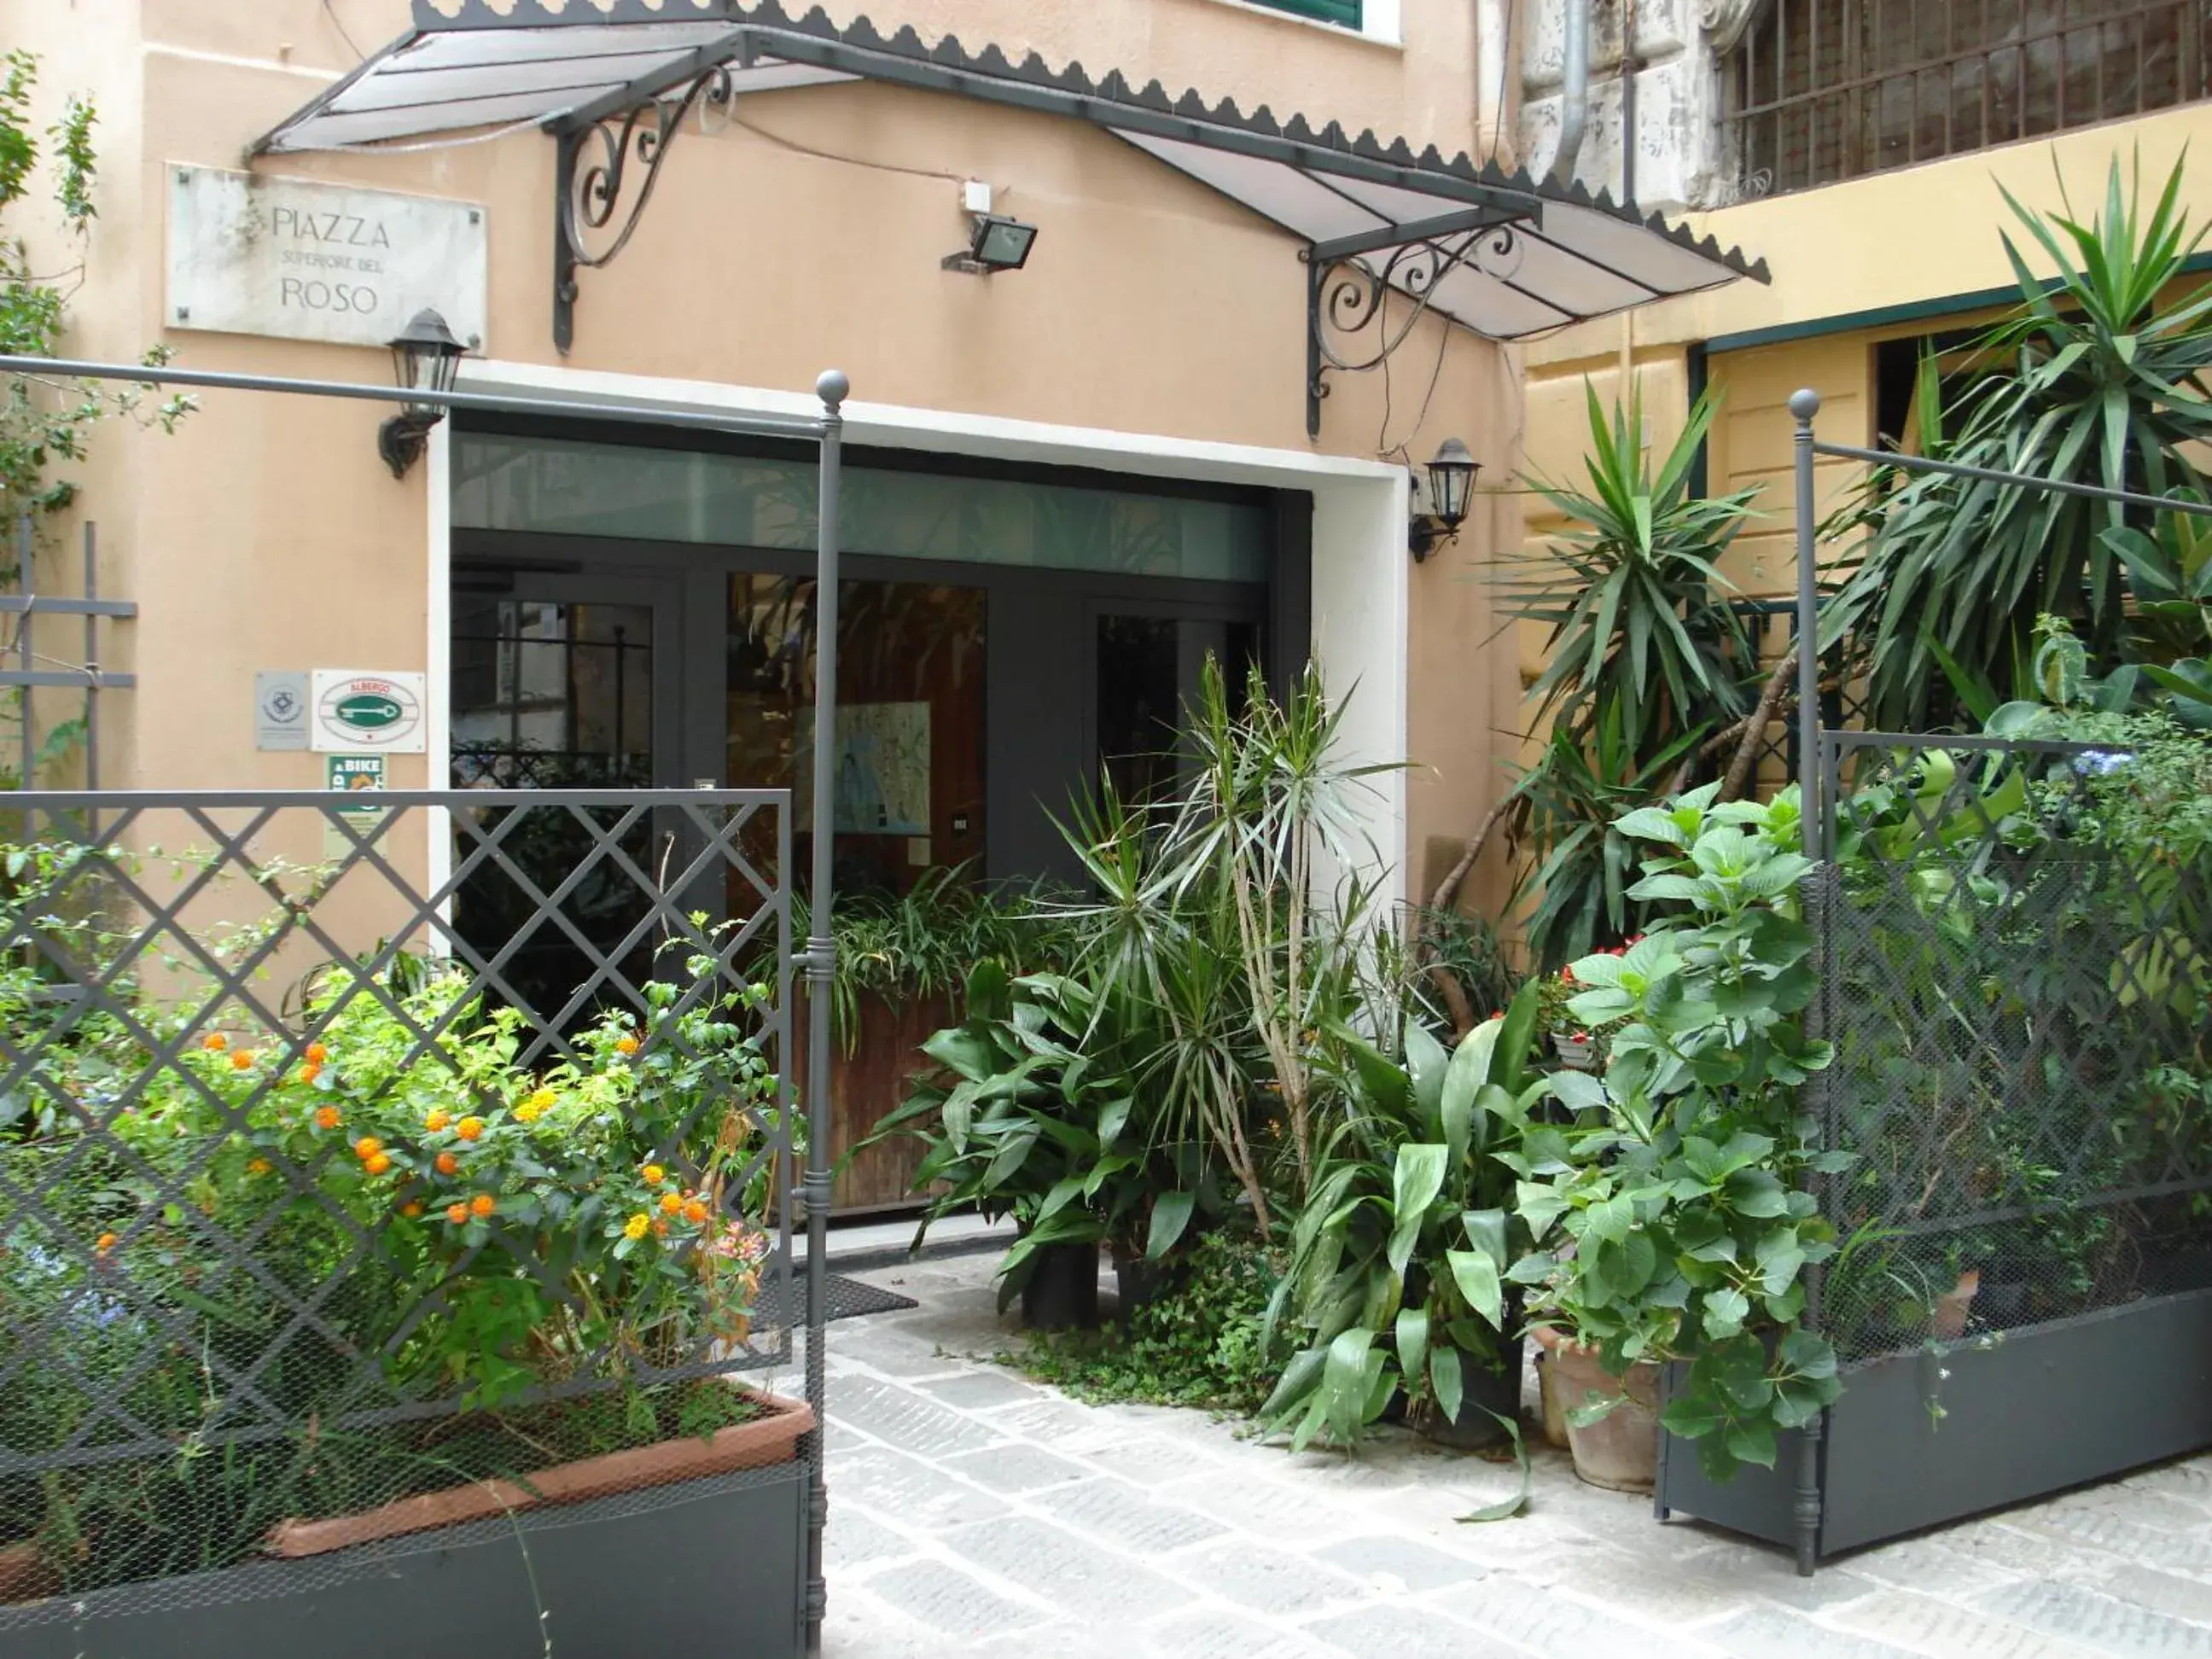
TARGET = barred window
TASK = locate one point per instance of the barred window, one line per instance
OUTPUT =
(1824, 90)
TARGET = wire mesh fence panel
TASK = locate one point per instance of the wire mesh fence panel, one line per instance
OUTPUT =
(369, 1168)
(2017, 962)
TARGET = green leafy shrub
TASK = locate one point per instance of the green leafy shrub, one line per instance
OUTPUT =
(1396, 1280)
(1201, 1342)
(1036, 1115)
(1669, 1220)
(1177, 1066)
(2092, 380)
(181, 1175)
(922, 943)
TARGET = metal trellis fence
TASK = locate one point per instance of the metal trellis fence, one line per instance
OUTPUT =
(359, 1197)
(2016, 967)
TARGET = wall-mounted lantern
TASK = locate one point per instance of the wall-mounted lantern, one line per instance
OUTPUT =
(1451, 487)
(425, 357)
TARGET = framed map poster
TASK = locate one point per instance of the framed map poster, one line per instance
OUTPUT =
(883, 770)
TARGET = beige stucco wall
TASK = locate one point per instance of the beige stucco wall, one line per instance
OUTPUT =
(266, 535)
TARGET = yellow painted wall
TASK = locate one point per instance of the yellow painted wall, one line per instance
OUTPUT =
(1915, 238)
(1924, 239)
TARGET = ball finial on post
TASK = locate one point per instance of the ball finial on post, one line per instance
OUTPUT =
(1805, 404)
(832, 386)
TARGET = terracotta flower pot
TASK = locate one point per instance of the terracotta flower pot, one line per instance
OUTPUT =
(24, 1574)
(1620, 1450)
(1547, 1397)
(771, 1437)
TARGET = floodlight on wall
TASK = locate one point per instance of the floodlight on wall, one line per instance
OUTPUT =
(1451, 487)
(997, 243)
(425, 357)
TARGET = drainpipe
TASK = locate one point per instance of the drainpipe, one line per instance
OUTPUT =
(1629, 64)
(1574, 89)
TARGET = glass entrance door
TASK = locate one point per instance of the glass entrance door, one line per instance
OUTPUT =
(562, 682)
(910, 739)
(1147, 670)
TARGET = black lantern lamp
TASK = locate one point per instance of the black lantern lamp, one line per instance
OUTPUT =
(425, 357)
(1451, 486)
(997, 243)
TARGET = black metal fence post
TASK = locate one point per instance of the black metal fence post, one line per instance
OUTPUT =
(1804, 405)
(821, 966)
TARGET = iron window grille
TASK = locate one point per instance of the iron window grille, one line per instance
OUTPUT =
(1824, 90)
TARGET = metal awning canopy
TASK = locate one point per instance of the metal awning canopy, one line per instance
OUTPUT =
(1388, 232)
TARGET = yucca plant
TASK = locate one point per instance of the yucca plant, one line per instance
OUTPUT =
(2094, 379)
(1579, 866)
(2170, 618)
(1640, 626)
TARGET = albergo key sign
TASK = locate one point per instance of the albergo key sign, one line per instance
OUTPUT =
(355, 710)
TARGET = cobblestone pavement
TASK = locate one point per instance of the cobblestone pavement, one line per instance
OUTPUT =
(974, 1512)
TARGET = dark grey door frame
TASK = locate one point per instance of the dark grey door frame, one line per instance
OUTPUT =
(1032, 683)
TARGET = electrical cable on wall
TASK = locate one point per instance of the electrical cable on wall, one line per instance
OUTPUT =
(1504, 73)
(793, 145)
(330, 12)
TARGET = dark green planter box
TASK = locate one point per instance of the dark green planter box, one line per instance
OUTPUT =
(2035, 1412)
(712, 1566)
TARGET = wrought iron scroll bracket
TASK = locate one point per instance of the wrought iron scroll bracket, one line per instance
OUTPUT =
(1350, 325)
(593, 181)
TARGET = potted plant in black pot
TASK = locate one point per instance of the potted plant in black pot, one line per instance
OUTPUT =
(1396, 1284)
(1032, 1115)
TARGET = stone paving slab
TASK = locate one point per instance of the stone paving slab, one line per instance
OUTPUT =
(974, 1512)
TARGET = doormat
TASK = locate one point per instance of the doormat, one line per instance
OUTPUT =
(849, 1299)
